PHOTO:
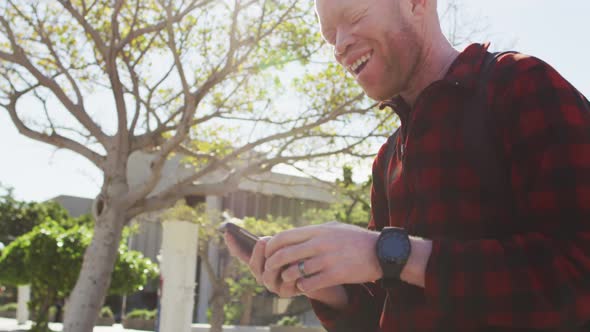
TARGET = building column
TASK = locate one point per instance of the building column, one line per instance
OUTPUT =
(22, 311)
(178, 266)
(214, 209)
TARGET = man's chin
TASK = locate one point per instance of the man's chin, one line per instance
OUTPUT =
(379, 90)
(378, 95)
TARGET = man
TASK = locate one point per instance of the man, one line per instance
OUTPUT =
(458, 260)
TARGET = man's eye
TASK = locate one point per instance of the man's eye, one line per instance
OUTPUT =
(358, 16)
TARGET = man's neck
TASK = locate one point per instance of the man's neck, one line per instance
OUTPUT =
(436, 60)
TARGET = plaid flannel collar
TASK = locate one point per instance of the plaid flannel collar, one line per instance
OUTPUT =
(463, 71)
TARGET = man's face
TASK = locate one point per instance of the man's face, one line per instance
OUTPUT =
(374, 40)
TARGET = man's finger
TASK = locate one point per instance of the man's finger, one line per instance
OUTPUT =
(257, 259)
(311, 266)
(288, 289)
(271, 280)
(290, 237)
(327, 278)
(291, 255)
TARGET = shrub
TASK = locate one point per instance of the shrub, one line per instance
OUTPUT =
(142, 314)
(49, 258)
(106, 312)
(9, 307)
(52, 313)
(289, 321)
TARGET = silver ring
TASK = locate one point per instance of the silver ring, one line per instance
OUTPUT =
(301, 267)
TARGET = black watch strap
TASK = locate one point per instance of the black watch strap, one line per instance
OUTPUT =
(389, 283)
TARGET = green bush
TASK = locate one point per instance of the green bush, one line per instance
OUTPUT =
(142, 314)
(289, 321)
(9, 307)
(132, 271)
(106, 312)
(19, 217)
(49, 258)
(52, 313)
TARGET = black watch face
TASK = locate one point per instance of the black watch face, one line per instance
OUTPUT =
(395, 247)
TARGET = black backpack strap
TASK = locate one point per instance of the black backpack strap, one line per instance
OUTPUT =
(389, 153)
(481, 142)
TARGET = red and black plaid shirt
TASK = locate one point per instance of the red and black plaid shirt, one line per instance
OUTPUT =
(534, 272)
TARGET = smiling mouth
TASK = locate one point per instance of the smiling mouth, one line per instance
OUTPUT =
(360, 64)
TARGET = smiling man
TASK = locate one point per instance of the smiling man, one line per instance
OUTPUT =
(444, 250)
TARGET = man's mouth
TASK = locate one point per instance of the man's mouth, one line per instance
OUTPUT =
(360, 64)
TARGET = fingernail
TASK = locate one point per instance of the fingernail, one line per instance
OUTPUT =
(299, 286)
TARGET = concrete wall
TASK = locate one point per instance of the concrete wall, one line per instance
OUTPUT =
(76, 206)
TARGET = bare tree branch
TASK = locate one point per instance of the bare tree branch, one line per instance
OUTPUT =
(186, 186)
(215, 78)
(135, 92)
(20, 57)
(45, 38)
(93, 33)
(175, 53)
(133, 34)
(117, 88)
(191, 103)
(53, 138)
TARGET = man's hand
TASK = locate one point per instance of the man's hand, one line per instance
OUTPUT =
(333, 254)
(256, 263)
(333, 296)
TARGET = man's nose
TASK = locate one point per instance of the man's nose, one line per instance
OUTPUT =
(343, 40)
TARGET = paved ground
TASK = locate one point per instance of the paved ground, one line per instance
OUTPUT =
(10, 325)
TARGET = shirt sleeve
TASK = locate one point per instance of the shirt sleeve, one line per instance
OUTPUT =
(365, 301)
(539, 278)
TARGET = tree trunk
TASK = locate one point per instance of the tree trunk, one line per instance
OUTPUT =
(247, 300)
(88, 295)
(217, 312)
(220, 297)
(42, 302)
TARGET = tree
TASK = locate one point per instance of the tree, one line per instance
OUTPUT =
(353, 205)
(196, 77)
(49, 258)
(356, 205)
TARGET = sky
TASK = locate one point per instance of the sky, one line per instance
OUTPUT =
(555, 31)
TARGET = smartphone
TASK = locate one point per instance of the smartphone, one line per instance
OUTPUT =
(245, 239)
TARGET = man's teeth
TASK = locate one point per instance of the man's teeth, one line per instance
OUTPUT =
(359, 62)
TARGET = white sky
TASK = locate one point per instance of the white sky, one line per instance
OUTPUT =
(555, 31)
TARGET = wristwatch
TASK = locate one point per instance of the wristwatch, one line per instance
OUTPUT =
(393, 250)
